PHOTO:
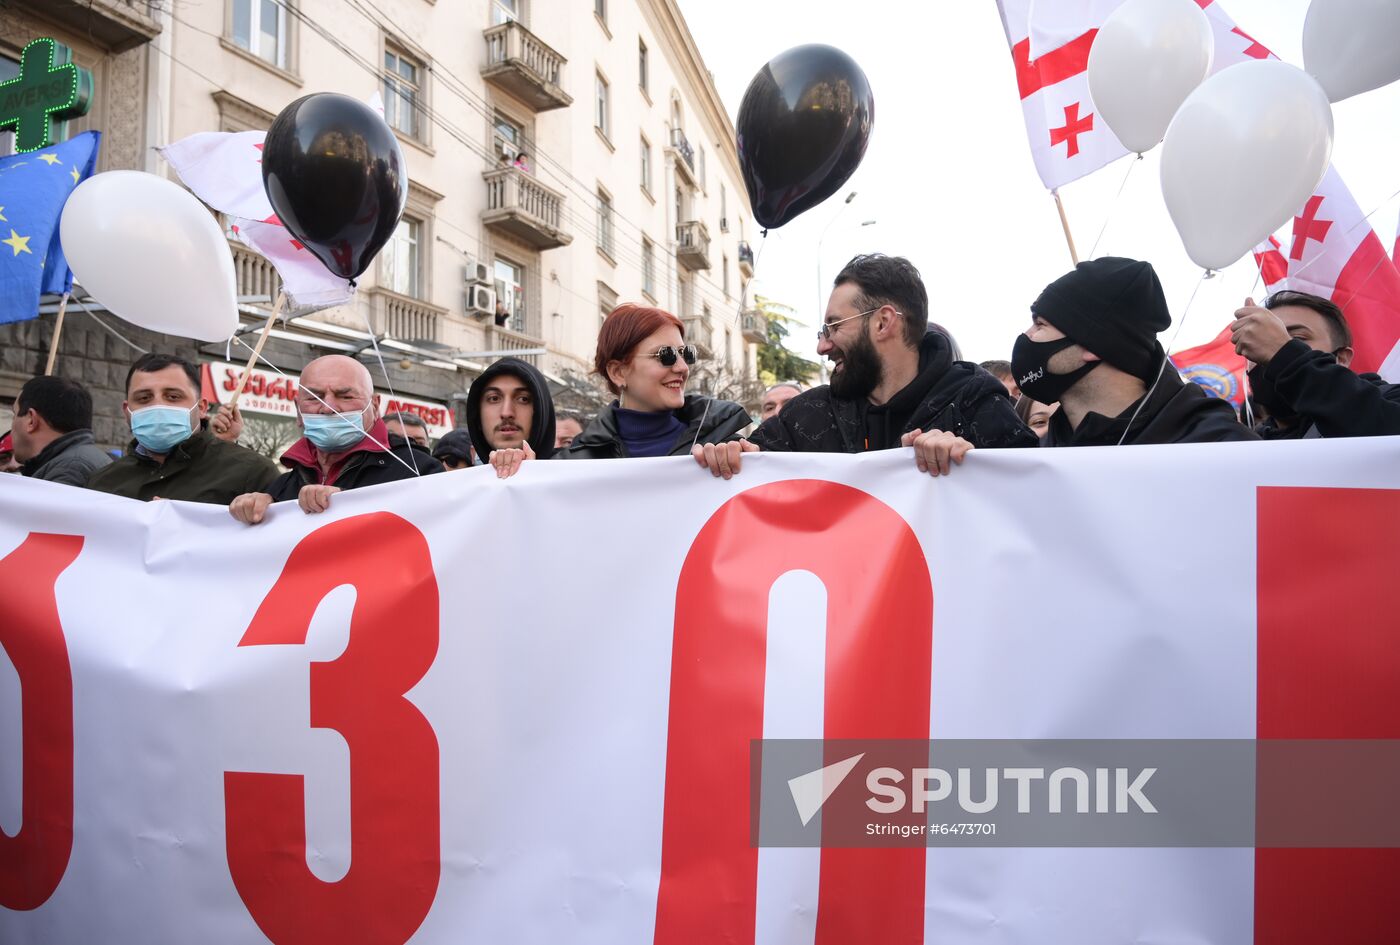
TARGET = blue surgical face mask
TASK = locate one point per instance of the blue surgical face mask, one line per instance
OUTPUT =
(161, 428)
(333, 432)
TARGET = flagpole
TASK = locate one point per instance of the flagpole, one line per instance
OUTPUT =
(57, 332)
(257, 351)
(1064, 223)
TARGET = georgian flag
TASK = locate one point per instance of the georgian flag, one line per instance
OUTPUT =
(1333, 252)
(1068, 140)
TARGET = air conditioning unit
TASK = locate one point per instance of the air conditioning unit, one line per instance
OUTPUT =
(477, 273)
(481, 300)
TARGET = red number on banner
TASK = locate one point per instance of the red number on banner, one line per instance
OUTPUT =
(1329, 659)
(395, 856)
(33, 861)
(879, 640)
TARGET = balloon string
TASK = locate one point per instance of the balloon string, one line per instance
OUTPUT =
(374, 343)
(1166, 356)
(300, 389)
(1113, 207)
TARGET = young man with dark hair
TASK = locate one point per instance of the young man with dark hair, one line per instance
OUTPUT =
(52, 433)
(510, 415)
(172, 454)
(1092, 347)
(894, 382)
(1300, 346)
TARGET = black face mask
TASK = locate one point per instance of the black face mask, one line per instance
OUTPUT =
(1030, 367)
(1263, 393)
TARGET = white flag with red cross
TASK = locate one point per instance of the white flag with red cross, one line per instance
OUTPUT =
(1068, 140)
(1334, 253)
(225, 171)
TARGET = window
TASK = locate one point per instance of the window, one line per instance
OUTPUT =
(607, 301)
(700, 164)
(646, 165)
(642, 66)
(401, 91)
(260, 26)
(726, 275)
(399, 260)
(600, 105)
(9, 68)
(648, 267)
(680, 207)
(605, 224)
(510, 292)
(504, 11)
(723, 209)
(728, 344)
(509, 139)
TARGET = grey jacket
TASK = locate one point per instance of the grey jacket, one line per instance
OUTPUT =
(70, 459)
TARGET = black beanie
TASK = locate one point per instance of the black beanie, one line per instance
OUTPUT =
(1114, 307)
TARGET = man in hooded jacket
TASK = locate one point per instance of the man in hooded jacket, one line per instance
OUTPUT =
(895, 382)
(510, 415)
(1092, 346)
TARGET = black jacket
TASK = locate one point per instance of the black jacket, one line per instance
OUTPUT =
(361, 469)
(541, 438)
(955, 396)
(1330, 400)
(723, 422)
(70, 459)
(1175, 412)
(201, 469)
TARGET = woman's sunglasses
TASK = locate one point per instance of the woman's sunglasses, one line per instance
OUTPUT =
(667, 354)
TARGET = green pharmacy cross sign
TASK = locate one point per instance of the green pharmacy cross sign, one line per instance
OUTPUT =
(48, 89)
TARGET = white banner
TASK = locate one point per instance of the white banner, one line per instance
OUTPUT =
(467, 710)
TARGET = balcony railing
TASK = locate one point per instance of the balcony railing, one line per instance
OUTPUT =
(755, 327)
(699, 332)
(405, 318)
(693, 245)
(499, 338)
(522, 207)
(253, 274)
(746, 259)
(526, 67)
(685, 154)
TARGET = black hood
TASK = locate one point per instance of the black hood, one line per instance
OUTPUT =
(541, 436)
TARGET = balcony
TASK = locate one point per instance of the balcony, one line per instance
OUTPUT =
(403, 318)
(520, 206)
(699, 332)
(685, 157)
(693, 245)
(255, 277)
(755, 327)
(118, 25)
(746, 259)
(519, 63)
(507, 340)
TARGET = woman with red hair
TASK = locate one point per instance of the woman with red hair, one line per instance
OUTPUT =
(643, 358)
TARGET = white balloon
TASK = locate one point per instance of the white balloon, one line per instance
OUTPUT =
(152, 254)
(1352, 46)
(1149, 55)
(1243, 154)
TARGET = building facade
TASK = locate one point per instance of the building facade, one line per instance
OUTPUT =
(563, 157)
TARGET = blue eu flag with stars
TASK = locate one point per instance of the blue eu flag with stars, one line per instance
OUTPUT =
(33, 188)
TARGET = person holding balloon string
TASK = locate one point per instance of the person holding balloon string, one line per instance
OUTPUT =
(345, 446)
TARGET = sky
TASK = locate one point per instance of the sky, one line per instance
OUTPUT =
(948, 177)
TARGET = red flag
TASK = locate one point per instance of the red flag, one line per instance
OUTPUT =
(1216, 367)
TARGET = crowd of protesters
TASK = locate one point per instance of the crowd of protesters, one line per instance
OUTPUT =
(1087, 371)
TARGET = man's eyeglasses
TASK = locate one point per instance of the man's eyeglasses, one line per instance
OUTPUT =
(824, 332)
(667, 354)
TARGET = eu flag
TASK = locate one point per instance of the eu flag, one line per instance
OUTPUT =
(33, 189)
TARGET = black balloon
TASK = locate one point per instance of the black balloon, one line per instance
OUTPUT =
(803, 128)
(335, 176)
